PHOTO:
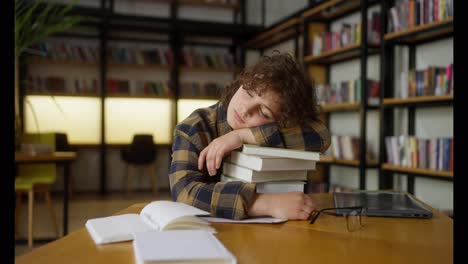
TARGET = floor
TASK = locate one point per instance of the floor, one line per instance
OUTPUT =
(81, 208)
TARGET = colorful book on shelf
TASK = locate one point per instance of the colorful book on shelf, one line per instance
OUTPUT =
(180, 246)
(280, 152)
(268, 163)
(249, 175)
(413, 152)
(157, 215)
(272, 186)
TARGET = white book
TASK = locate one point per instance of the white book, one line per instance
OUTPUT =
(273, 186)
(249, 175)
(404, 84)
(395, 151)
(158, 215)
(266, 163)
(348, 148)
(180, 246)
(336, 147)
(280, 152)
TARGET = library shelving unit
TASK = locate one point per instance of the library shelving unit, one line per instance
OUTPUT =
(103, 21)
(284, 30)
(316, 20)
(317, 17)
(410, 38)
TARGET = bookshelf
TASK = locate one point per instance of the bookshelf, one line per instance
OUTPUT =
(108, 27)
(418, 100)
(66, 94)
(424, 32)
(37, 61)
(340, 107)
(214, 4)
(340, 55)
(418, 171)
(318, 21)
(419, 33)
(318, 17)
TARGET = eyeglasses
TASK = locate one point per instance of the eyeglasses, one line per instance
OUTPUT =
(354, 216)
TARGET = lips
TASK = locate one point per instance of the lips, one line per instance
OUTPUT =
(238, 117)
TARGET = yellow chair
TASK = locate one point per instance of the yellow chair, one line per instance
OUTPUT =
(33, 178)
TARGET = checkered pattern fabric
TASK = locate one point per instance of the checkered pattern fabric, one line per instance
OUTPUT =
(227, 199)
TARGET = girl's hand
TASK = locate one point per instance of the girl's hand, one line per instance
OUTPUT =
(291, 205)
(222, 146)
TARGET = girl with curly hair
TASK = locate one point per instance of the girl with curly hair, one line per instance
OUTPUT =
(271, 103)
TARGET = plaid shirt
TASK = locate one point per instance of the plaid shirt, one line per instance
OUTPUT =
(226, 199)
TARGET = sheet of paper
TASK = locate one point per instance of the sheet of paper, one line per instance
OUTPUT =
(269, 220)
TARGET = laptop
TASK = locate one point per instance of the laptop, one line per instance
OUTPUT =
(382, 203)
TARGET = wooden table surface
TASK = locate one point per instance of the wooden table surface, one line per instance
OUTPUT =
(382, 240)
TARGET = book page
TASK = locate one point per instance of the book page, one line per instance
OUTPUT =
(268, 220)
(163, 213)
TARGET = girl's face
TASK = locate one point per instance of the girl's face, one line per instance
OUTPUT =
(249, 109)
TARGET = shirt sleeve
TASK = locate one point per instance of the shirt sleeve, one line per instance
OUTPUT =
(189, 185)
(314, 136)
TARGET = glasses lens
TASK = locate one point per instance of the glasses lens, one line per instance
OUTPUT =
(363, 216)
(353, 220)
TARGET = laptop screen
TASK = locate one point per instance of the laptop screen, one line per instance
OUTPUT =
(382, 203)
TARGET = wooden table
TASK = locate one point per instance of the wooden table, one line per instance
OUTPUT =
(59, 157)
(382, 240)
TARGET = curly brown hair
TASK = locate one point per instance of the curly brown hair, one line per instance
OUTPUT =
(281, 74)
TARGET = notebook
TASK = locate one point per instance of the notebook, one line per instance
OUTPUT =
(180, 246)
(382, 203)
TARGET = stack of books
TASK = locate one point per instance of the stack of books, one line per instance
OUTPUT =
(274, 170)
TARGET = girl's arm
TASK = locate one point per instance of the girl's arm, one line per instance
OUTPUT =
(314, 136)
(233, 200)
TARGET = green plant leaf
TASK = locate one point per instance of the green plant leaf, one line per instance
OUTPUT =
(35, 21)
(33, 25)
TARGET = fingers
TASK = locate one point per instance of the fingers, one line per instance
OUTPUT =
(308, 202)
(219, 158)
(303, 215)
(210, 160)
(213, 156)
(306, 208)
(201, 158)
(213, 160)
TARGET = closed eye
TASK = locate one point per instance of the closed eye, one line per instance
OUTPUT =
(267, 116)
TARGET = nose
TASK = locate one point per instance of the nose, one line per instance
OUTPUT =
(247, 110)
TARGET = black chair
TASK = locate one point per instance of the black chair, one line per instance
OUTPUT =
(141, 153)
(61, 142)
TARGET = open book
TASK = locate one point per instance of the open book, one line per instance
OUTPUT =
(158, 215)
(177, 246)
